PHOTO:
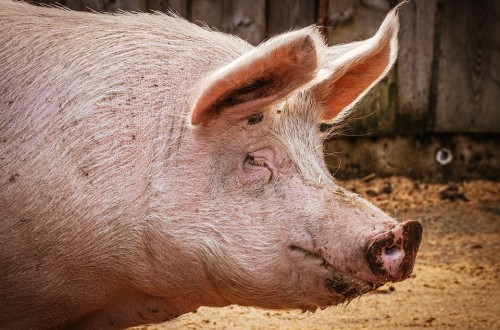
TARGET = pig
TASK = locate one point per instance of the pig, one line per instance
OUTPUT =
(149, 166)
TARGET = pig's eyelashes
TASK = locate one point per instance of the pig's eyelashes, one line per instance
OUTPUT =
(251, 160)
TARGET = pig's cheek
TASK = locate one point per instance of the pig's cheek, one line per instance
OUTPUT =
(296, 197)
(258, 175)
(302, 199)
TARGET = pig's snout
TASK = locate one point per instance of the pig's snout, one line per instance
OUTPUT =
(392, 254)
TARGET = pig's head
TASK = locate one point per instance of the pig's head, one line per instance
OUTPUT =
(270, 224)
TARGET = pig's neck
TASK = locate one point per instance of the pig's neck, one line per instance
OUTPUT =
(173, 270)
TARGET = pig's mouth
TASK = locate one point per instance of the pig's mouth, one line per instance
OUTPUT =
(388, 257)
(347, 286)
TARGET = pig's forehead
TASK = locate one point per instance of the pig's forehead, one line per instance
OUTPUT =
(297, 116)
(296, 124)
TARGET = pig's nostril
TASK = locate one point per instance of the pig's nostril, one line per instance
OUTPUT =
(392, 252)
(391, 255)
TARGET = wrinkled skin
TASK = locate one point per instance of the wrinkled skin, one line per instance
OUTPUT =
(149, 167)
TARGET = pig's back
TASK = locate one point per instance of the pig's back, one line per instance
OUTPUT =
(86, 97)
(90, 105)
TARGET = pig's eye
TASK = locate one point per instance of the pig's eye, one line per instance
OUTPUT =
(255, 119)
(251, 160)
(258, 166)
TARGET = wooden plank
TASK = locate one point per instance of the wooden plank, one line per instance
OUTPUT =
(468, 77)
(177, 6)
(211, 13)
(83, 4)
(414, 66)
(355, 20)
(322, 20)
(180, 7)
(248, 20)
(49, 2)
(245, 19)
(106, 5)
(73, 4)
(288, 14)
(127, 5)
(359, 20)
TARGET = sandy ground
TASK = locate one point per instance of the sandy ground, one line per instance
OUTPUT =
(455, 283)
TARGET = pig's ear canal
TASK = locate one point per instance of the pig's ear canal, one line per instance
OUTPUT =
(258, 78)
(354, 72)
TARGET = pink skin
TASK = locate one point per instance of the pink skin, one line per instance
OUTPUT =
(149, 167)
(322, 229)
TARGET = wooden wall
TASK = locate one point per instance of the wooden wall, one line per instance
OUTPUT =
(447, 78)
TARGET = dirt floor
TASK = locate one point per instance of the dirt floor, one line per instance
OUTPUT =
(455, 283)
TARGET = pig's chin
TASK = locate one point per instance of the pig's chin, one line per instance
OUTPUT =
(342, 287)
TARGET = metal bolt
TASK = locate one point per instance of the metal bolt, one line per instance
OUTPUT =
(444, 156)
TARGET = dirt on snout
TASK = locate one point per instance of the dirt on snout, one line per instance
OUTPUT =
(455, 283)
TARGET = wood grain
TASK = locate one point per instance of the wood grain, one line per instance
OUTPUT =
(288, 14)
(106, 5)
(179, 7)
(359, 20)
(414, 65)
(468, 77)
(246, 19)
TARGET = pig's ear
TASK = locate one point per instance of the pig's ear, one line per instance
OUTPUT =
(355, 68)
(258, 78)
